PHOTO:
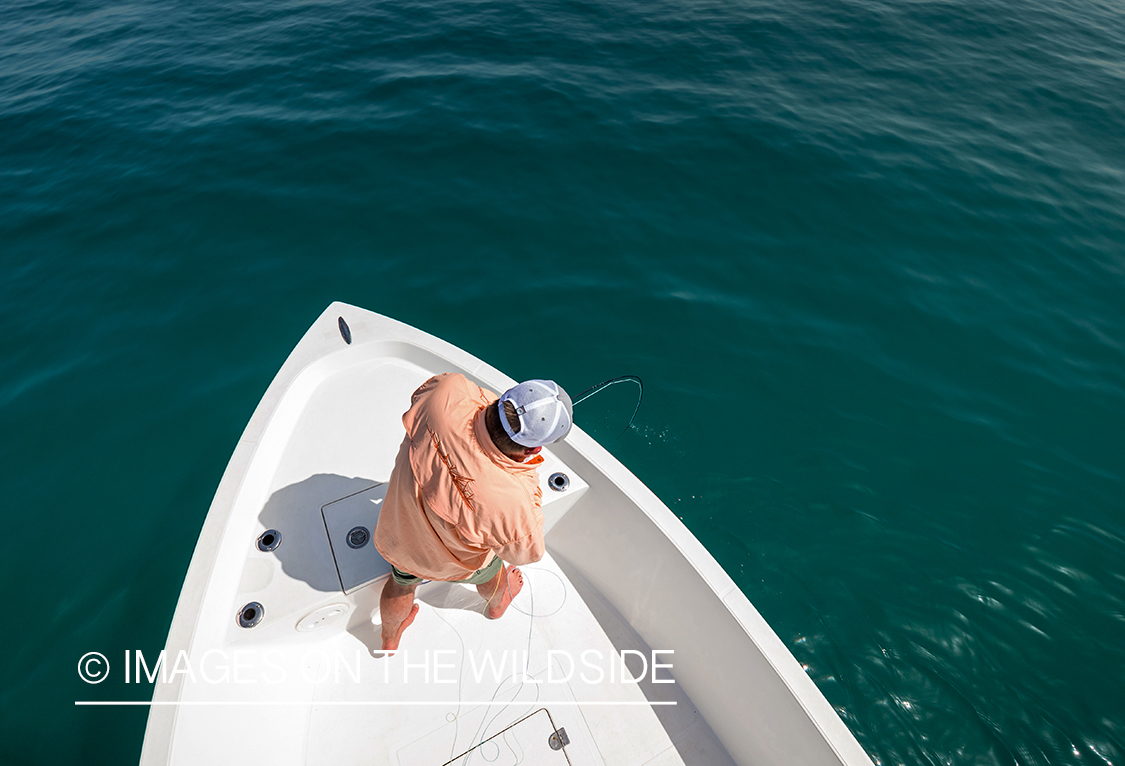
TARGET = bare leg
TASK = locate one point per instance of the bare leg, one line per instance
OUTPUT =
(396, 610)
(500, 590)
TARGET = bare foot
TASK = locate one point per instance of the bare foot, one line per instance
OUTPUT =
(391, 644)
(511, 584)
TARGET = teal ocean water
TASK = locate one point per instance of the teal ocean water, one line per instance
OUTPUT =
(867, 255)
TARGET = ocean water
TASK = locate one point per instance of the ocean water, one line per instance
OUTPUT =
(867, 255)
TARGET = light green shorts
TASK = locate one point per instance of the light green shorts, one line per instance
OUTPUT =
(479, 577)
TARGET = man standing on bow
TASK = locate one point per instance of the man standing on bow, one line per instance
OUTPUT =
(464, 496)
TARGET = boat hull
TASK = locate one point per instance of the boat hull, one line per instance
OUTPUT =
(318, 447)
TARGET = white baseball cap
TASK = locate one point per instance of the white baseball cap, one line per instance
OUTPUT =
(544, 410)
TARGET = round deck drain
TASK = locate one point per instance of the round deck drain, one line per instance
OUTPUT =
(558, 482)
(358, 537)
(251, 614)
(269, 540)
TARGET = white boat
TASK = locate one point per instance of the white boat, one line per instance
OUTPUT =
(272, 652)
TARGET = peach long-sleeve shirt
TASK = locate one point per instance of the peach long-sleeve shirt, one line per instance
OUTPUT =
(454, 499)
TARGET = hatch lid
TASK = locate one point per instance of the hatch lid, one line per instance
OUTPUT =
(350, 523)
(533, 739)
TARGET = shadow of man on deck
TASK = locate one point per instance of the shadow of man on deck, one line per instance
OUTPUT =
(295, 511)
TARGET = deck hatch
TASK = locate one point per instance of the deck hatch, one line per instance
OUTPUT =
(532, 739)
(349, 522)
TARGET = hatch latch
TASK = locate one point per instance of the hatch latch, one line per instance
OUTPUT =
(558, 740)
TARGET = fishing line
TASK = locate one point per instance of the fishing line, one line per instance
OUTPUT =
(481, 734)
(482, 730)
(532, 614)
(606, 384)
(456, 715)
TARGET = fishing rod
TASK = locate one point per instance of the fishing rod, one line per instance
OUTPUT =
(606, 384)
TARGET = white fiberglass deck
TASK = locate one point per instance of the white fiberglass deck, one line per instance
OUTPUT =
(306, 683)
(458, 681)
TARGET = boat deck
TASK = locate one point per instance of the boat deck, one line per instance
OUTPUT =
(461, 685)
(304, 680)
(481, 687)
(458, 681)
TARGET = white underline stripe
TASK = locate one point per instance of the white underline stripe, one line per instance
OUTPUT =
(453, 703)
